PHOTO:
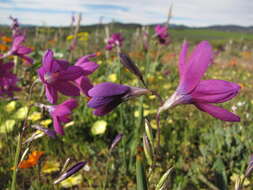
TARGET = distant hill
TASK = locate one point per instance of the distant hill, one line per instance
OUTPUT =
(227, 28)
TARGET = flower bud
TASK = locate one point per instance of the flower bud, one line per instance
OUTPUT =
(115, 141)
(70, 172)
(129, 64)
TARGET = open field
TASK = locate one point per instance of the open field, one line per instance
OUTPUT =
(206, 153)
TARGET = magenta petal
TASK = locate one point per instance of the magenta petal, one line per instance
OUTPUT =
(214, 91)
(17, 41)
(107, 108)
(108, 89)
(57, 126)
(71, 73)
(60, 110)
(70, 103)
(59, 64)
(8, 66)
(88, 67)
(67, 88)
(183, 59)
(196, 67)
(65, 119)
(41, 72)
(51, 94)
(218, 112)
(23, 50)
(84, 84)
(48, 60)
(84, 59)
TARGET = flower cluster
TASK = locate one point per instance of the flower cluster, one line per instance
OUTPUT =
(161, 32)
(70, 80)
(17, 48)
(8, 80)
(115, 40)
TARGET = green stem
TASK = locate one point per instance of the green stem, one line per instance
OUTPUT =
(17, 154)
(106, 172)
(20, 138)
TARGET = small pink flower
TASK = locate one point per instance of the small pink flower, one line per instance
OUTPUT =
(115, 40)
(162, 34)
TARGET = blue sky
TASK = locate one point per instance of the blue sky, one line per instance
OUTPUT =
(188, 12)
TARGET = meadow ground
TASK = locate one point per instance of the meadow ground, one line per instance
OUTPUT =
(205, 153)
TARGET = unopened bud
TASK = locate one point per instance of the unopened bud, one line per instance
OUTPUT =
(129, 64)
(70, 172)
(116, 141)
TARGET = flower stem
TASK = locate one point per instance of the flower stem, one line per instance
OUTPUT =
(14, 175)
(158, 131)
(20, 139)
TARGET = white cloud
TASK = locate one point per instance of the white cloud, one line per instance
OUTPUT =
(189, 12)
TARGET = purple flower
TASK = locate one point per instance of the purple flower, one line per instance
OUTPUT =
(201, 93)
(57, 75)
(70, 172)
(161, 32)
(15, 27)
(7, 79)
(61, 114)
(88, 67)
(106, 96)
(115, 40)
(19, 50)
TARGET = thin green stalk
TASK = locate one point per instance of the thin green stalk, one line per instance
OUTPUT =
(137, 135)
(14, 175)
(20, 139)
(106, 172)
(124, 139)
